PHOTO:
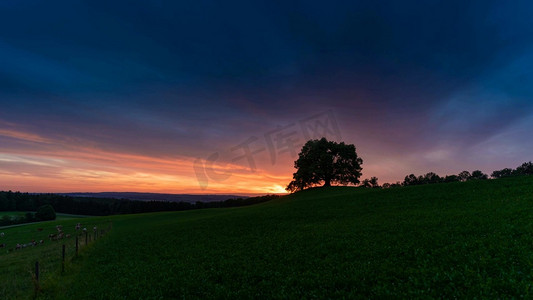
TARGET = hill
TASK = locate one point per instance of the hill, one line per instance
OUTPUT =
(472, 239)
(156, 196)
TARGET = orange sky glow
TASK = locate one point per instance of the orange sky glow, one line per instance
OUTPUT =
(136, 101)
(58, 166)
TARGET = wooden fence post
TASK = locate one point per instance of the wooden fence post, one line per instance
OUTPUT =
(63, 260)
(37, 271)
(36, 280)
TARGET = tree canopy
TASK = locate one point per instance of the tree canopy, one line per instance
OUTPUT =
(327, 162)
(370, 183)
(45, 212)
(477, 174)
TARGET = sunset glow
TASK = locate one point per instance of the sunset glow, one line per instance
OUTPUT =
(112, 97)
(71, 168)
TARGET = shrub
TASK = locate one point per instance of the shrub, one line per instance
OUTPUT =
(45, 212)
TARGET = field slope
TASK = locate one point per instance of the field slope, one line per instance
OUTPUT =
(472, 239)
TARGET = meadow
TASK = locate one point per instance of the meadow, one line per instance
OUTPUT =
(453, 240)
(17, 267)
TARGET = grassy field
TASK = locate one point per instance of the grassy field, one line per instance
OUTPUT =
(17, 266)
(12, 213)
(59, 217)
(458, 240)
(62, 217)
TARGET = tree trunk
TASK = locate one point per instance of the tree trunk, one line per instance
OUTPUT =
(327, 182)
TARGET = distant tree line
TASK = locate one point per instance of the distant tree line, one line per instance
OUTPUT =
(523, 169)
(431, 177)
(17, 201)
(327, 162)
(44, 213)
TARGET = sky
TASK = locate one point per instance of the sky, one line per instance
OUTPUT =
(219, 96)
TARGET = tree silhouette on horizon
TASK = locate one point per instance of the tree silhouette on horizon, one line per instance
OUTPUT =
(327, 162)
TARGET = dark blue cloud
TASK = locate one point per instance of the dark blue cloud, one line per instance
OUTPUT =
(254, 44)
(187, 75)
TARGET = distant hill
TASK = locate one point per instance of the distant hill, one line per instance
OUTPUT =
(157, 197)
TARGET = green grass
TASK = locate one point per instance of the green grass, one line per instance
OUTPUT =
(17, 266)
(12, 213)
(59, 217)
(458, 240)
(62, 217)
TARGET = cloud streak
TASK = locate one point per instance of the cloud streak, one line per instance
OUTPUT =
(122, 96)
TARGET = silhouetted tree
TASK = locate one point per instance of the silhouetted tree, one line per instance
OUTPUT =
(366, 183)
(374, 182)
(451, 178)
(525, 169)
(370, 183)
(327, 162)
(502, 173)
(464, 176)
(410, 179)
(392, 185)
(431, 178)
(477, 174)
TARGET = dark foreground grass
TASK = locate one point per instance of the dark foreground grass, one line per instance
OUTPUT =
(460, 240)
(17, 267)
